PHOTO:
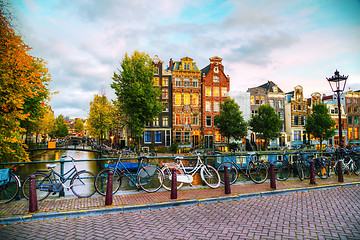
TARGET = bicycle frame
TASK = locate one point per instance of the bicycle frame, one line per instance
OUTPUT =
(198, 166)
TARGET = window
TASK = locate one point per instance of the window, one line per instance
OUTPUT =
(216, 78)
(216, 91)
(252, 101)
(297, 135)
(356, 119)
(187, 137)
(350, 109)
(216, 69)
(350, 119)
(147, 137)
(187, 99)
(208, 91)
(356, 109)
(165, 93)
(262, 100)
(303, 120)
(195, 99)
(281, 115)
(177, 119)
(217, 136)
(178, 99)
(296, 120)
(178, 137)
(196, 119)
(165, 82)
(349, 100)
(186, 119)
(350, 133)
(165, 121)
(216, 106)
(195, 82)
(272, 103)
(166, 107)
(177, 82)
(208, 121)
(257, 100)
(208, 106)
(156, 81)
(356, 133)
(157, 137)
(299, 107)
(186, 82)
(156, 121)
(281, 104)
(223, 91)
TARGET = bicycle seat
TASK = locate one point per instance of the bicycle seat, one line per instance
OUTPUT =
(51, 165)
(179, 158)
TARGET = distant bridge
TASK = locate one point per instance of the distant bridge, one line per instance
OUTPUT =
(68, 147)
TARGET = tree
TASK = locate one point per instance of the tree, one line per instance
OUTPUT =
(21, 79)
(79, 125)
(60, 129)
(230, 120)
(320, 124)
(101, 117)
(266, 123)
(138, 97)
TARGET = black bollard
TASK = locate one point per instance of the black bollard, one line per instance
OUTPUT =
(340, 171)
(227, 180)
(33, 206)
(272, 176)
(173, 184)
(109, 188)
(312, 172)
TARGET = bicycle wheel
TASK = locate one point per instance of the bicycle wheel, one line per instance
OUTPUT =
(322, 172)
(41, 179)
(356, 168)
(282, 170)
(210, 176)
(10, 190)
(300, 171)
(150, 178)
(232, 170)
(101, 180)
(336, 167)
(82, 184)
(258, 172)
(167, 171)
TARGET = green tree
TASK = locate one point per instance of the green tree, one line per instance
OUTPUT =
(101, 117)
(266, 123)
(21, 79)
(230, 120)
(138, 98)
(79, 125)
(320, 124)
(60, 129)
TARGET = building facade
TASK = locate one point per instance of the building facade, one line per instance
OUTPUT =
(215, 86)
(352, 109)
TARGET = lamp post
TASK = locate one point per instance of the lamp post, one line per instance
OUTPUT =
(335, 84)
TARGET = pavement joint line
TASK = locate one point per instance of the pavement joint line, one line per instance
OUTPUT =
(170, 204)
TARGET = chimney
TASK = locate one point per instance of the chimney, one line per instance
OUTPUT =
(171, 63)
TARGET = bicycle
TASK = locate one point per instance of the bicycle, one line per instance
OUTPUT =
(349, 166)
(49, 181)
(256, 169)
(208, 174)
(9, 185)
(320, 167)
(284, 167)
(148, 177)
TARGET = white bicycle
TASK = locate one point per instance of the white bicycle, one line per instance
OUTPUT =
(208, 174)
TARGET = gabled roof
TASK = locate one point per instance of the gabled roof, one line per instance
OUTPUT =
(205, 70)
(269, 87)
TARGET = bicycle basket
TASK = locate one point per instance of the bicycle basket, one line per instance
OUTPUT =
(149, 171)
(4, 176)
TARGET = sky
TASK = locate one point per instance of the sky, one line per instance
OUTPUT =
(297, 42)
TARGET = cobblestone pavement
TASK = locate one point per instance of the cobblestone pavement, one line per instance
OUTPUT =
(323, 214)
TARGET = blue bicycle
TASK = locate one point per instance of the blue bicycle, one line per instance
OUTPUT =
(9, 185)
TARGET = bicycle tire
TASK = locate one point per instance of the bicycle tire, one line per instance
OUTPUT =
(356, 168)
(40, 178)
(232, 170)
(167, 172)
(82, 184)
(282, 170)
(210, 176)
(10, 190)
(300, 171)
(150, 181)
(258, 172)
(101, 180)
(322, 172)
(336, 168)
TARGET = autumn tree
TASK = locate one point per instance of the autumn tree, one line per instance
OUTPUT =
(230, 120)
(136, 93)
(60, 127)
(79, 125)
(101, 117)
(320, 124)
(22, 79)
(266, 123)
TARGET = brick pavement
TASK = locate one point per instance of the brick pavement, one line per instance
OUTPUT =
(326, 214)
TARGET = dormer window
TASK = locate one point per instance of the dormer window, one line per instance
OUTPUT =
(216, 69)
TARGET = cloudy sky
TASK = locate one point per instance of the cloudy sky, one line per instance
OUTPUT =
(297, 42)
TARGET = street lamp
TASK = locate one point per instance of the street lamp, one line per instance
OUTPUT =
(335, 84)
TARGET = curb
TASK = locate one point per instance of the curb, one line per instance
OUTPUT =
(172, 204)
